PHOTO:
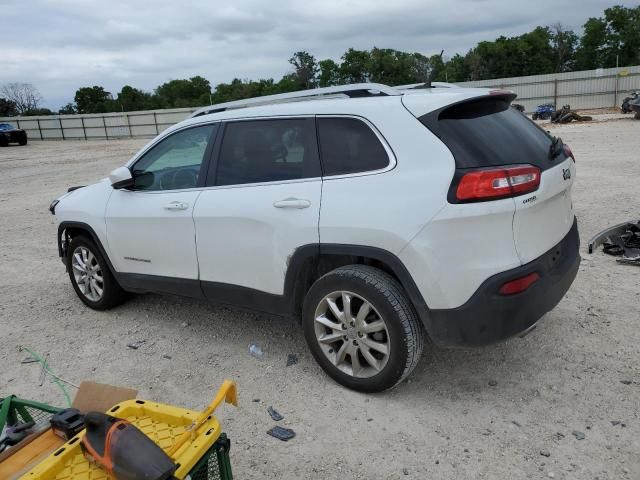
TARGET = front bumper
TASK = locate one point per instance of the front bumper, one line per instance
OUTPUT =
(488, 317)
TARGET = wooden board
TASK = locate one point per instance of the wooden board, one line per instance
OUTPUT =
(99, 397)
(24, 459)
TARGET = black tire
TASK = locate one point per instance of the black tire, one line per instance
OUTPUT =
(534, 116)
(404, 332)
(23, 141)
(112, 294)
(4, 142)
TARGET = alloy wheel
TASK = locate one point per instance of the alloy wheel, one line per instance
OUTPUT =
(352, 334)
(87, 273)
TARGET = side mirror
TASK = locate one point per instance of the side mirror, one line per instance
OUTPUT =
(121, 178)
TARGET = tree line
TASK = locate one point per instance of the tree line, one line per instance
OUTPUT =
(607, 41)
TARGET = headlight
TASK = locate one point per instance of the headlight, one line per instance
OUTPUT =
(52, 207)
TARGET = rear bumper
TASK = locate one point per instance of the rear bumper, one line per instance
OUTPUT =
(488, 317)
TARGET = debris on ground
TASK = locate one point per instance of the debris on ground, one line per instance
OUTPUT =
(46, 371)
(566, 115)
(493, 383)
(184, 324)
(281, 433)
(545, 453)
(168, 357)
(292, 359)
(256, 350)
(136, 345)
(29, 360)
(275, 415)
(578, 435)
(622, 240)
(626, 244)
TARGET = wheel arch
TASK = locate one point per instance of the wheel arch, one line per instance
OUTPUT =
(68, 230)
(310, 262)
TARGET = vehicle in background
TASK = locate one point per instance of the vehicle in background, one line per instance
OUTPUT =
(544, 112)
(10, 134)
(371, 214)
(626, 103)
(518, 107)
(635, 107)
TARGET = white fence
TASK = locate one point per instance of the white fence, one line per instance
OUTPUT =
(142, 124)
(602, 88)
(582, 90)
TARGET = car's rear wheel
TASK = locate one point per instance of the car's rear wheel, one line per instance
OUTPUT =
(23, 140)
(90, 276)
(362, 329)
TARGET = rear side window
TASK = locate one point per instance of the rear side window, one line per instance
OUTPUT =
(348, 145)
(488, 132)
(268, 150)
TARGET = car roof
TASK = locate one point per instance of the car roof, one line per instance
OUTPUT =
(417, 100)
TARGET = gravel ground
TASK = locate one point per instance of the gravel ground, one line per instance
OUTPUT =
(505, 411)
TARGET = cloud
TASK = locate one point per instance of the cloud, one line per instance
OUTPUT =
(61, 45)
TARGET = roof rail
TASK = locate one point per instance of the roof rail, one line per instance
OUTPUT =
(414, 86)
(354, 90)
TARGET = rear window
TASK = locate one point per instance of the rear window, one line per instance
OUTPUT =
(348, 145)
(488, 132)
(267, 151)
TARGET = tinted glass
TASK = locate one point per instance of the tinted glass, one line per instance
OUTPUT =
(175, 162)
(488, 132)
(348, 145)
(267, 151)
(5, 126)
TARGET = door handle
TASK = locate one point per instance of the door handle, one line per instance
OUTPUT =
(176, 206)
(292, 203)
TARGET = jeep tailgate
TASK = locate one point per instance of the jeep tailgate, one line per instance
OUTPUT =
(544, 217)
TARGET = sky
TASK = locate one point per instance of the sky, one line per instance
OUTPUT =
(61, 45)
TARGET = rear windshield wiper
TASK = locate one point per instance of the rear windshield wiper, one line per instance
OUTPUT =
(556, 148)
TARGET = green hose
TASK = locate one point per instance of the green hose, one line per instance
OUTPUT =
(54, 377)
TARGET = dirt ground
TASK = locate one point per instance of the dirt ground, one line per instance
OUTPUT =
(501, 412)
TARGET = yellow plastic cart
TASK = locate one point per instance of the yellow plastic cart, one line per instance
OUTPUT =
(193, 439)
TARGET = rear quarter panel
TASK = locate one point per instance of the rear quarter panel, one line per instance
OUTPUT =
(386, 210)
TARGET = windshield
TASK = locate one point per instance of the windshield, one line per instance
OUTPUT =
(5, 126)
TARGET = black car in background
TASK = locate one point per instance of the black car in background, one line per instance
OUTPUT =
(10, 134)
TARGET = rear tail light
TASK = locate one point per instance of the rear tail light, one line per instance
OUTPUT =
(568, 152)
(519, 285)
(494, 183)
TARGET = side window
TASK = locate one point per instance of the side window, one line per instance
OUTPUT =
(175, 162)
(267, 151)
(348, 145)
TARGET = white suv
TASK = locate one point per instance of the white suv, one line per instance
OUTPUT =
(370, 213)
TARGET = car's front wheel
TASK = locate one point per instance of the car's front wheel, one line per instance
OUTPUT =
(90, 275)
(362, 329)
